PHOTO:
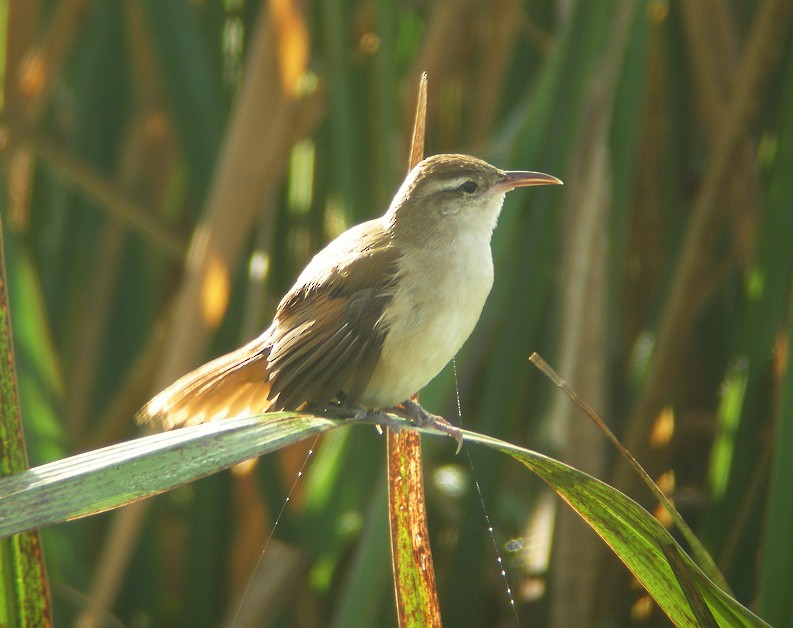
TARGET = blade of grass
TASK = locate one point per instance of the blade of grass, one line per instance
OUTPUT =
(697, 603)
(24, 590)
(701, 554)
(637, 538)
(123, 473)
(113, 476)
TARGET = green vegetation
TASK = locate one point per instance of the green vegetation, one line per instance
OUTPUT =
(170, 166)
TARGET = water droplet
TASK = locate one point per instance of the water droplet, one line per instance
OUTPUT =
(514, 545)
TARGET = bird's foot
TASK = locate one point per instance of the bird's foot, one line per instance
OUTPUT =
(419, 417)
(409, 410)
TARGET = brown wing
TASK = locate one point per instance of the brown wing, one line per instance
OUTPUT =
(325, 339)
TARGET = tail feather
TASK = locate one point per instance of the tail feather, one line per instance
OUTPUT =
(233, 385)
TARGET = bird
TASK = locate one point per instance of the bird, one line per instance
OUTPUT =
(374, 316)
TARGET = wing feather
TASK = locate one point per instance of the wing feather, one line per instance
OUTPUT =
(323, 343)
(325, 337)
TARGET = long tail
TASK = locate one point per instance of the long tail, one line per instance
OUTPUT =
(233, 385)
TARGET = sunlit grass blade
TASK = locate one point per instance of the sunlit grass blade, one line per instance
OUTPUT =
(113, 476)
(704, 560)
(636, 537)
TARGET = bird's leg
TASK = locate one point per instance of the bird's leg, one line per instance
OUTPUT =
(417, 415)
(409, 409)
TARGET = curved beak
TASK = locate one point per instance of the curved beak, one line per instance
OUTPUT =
(521, 179)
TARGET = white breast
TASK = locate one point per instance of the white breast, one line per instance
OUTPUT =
(437, 303)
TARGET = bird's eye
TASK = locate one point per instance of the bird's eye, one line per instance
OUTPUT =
(469, 187)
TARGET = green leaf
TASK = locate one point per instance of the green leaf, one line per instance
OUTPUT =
(635, 536)
(113, 476)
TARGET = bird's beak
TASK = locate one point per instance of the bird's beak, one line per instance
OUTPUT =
(521, 179)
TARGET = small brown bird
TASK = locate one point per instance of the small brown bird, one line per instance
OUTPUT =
(375, 315)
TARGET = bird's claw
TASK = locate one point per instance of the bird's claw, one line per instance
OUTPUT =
(419, 417)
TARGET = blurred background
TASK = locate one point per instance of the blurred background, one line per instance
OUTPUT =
(169, 166)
